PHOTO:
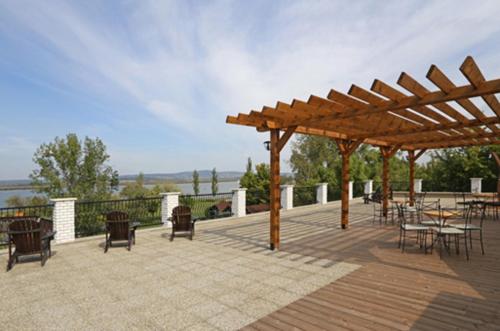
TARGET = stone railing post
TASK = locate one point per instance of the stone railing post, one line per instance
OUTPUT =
(368, 186)
(287, 197)
(239, 202)
(476, 185)
(322, 193)
(351, 190)
(169, 201)
(417, 185)
(64, 219)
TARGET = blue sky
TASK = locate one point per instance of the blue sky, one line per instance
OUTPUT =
(156, 79)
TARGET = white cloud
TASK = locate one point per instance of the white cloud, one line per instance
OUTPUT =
(191, 65)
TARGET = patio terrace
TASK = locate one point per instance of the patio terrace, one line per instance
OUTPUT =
(227, 278)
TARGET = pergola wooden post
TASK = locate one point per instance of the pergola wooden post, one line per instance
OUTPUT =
(387, 152)
(277, 145)
(412, 157)
(346, 148)
(497, 159)
(385, 117)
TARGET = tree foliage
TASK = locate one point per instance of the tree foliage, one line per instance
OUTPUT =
(196, 182)
(137, 189)
(215, 182)
(18, 201)
(71, 167)
(451, 169)
(317, 159)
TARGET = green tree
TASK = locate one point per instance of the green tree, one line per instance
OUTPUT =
(164, 187)
(451, 169)
(215, 182)
(135, 189)
(70, 167)
(317, 159)
(196, 182)
(18, 201)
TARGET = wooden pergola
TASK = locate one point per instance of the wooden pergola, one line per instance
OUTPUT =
(386, 118)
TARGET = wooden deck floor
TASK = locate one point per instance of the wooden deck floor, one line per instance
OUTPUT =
(391, 291)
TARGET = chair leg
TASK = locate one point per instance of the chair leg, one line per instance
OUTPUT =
(466, 247)
(425, 241)
(10, 263)
(400, 235)
(404, 239)
(481, 240)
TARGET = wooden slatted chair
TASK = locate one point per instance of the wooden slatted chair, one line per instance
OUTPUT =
(182, 222)
(118, 228)
(29, 236)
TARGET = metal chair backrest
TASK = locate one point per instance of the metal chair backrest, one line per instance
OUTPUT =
(181, 218)
(401, 214)
(25, 234)
(118, 225)
(469, 211)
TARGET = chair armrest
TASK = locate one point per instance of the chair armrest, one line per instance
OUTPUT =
(49, 235)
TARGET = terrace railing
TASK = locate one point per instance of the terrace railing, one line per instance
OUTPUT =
(304, 195)
(90, 216)
(208, 206)
(44, 211)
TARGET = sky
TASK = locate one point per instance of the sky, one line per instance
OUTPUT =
(155, 80)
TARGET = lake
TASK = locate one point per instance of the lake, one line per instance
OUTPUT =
(186, 188)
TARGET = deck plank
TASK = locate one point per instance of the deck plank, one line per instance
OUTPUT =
(391, 290)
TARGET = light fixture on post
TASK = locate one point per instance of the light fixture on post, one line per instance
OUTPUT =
(267, 145)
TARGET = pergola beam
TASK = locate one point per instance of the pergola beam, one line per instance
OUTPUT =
(385, 117)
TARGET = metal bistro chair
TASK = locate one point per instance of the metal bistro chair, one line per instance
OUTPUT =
(29, 236)
(118, 228)
(420, 230)
(468, 227)
(444, 234)
(182, 222)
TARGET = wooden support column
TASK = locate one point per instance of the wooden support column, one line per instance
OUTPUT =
(276, 145)
(497, 159)
(387, 152)
(411, 160)
(412, 157)
(346, 148)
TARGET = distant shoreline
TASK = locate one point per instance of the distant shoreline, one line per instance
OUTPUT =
(19, 187)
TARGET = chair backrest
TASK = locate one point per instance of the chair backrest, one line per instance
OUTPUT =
(118, 225)
(468, 213)
(401, 214)
(25, 233)
(181, 218)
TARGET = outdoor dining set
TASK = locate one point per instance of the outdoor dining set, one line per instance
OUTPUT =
(433, 225)
(32, 235)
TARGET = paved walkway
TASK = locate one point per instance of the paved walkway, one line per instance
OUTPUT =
(223, 280)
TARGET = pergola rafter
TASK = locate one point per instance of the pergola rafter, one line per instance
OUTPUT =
(384, 116)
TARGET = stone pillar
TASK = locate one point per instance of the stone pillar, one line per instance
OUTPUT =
(418, 185)
(476, 185)
(239, 202)
(287, 197)
(64, 219)
(350, 189)
(169, 201)
(368, 186)
(322, 193)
